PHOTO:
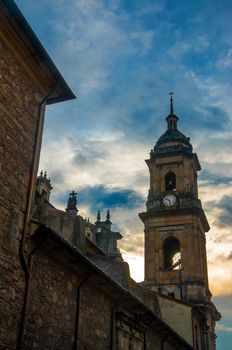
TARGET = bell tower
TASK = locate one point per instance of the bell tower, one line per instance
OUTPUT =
(175, 223)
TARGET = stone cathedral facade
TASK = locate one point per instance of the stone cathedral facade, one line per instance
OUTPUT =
(63, 282)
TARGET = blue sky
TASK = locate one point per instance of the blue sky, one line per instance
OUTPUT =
(122, 58)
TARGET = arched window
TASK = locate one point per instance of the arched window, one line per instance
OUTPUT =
(170, 181)
(172, 254)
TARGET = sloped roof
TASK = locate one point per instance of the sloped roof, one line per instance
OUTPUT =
(44, 233)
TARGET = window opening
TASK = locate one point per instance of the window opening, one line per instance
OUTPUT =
(170, 181)
(172, 254)
(176, 261)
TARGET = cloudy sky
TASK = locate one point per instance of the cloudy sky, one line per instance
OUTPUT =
(122, 58)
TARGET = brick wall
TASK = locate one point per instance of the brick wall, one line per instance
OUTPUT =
(18, 117)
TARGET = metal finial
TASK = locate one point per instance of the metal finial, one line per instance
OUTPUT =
(171, 103)
(108, 215)
(98, 215)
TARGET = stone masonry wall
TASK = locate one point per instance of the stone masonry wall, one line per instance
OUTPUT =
(52, 311)
(18, 117)
(52, 305)
(95, 319)
(71, 228)
(51, 316)
(52, 308)
(155, 340)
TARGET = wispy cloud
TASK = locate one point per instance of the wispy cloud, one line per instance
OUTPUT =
(226, 60)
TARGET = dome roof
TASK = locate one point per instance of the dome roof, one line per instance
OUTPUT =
(172, 140)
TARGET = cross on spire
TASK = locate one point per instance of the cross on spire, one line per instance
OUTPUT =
(171, 102)
(73, 194)
(72, 204)
(172, 119)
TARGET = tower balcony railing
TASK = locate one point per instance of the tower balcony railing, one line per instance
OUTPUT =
(183, 201)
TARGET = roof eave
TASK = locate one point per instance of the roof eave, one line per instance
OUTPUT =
(40, 55)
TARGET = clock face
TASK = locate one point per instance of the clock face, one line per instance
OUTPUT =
(169, 200)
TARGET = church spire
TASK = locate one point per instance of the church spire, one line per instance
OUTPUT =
(108, 215)
(172, 119)
(171, 102)
(98, 216)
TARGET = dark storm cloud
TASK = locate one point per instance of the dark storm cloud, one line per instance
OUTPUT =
(213, 178)
(224, 218)
(61, 198)
(225, 204)
(101, 197)
(140, 123)
(206, 117)
(215, 118)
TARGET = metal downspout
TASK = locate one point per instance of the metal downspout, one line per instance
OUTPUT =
(112, 312)
(28, 289)
(34, 168)
(193, 332)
